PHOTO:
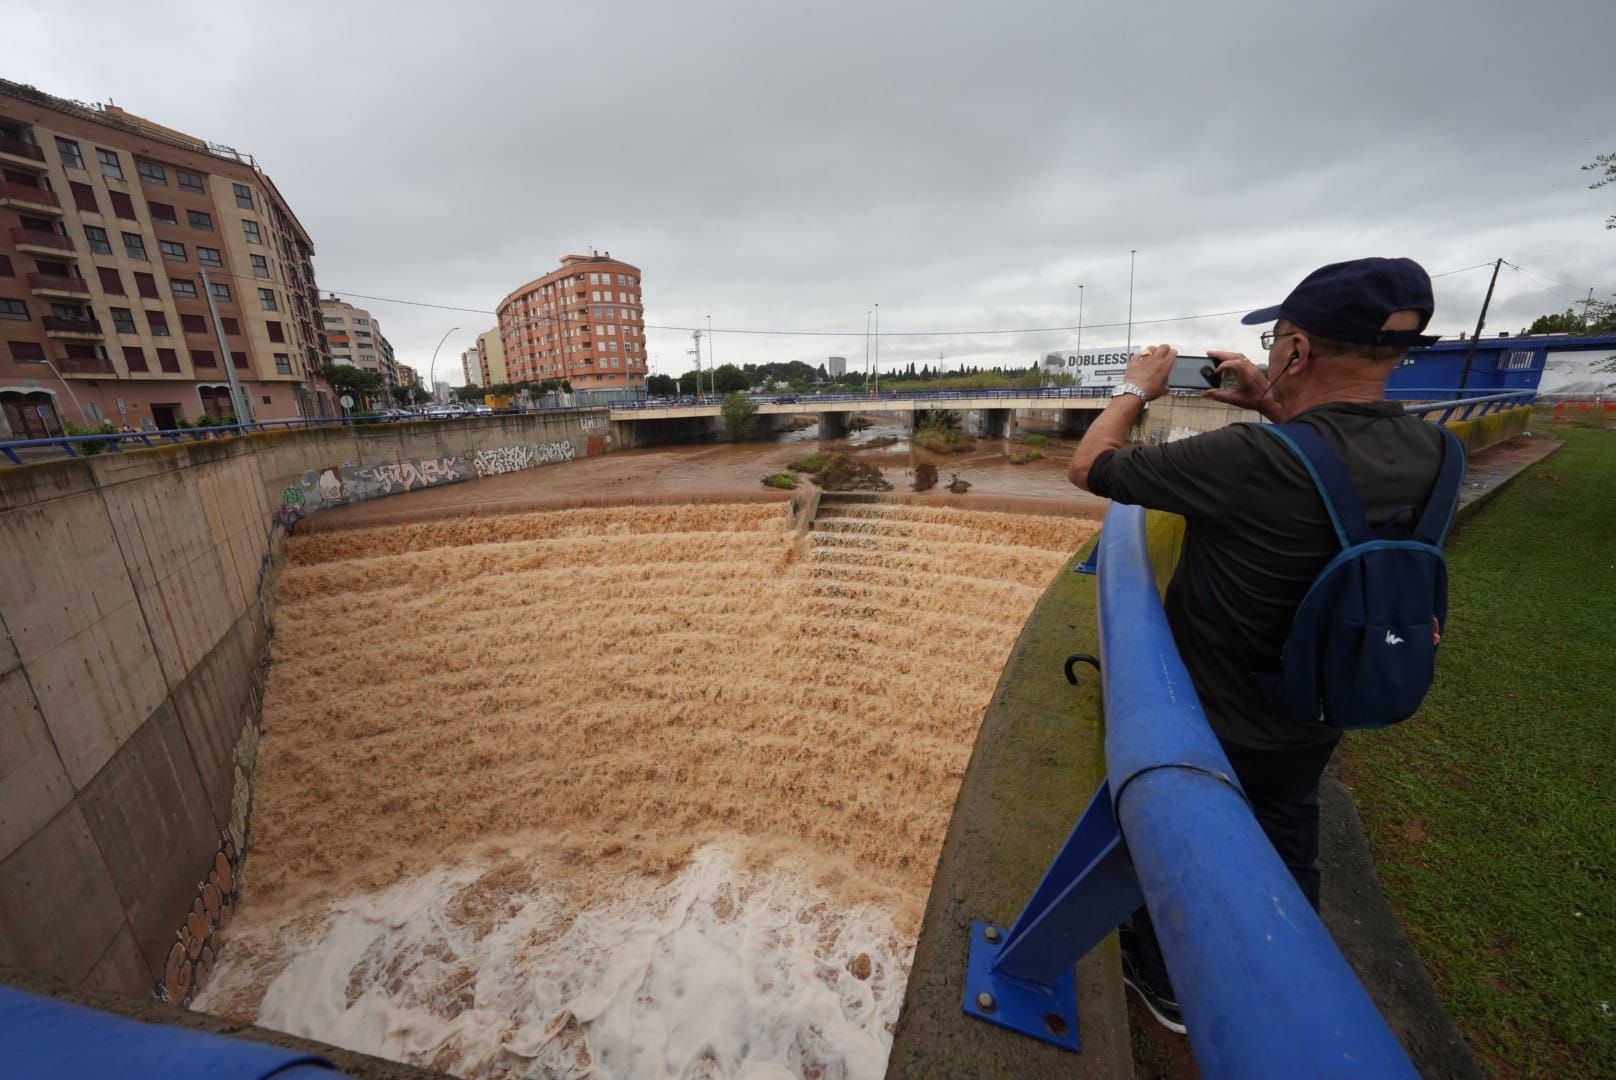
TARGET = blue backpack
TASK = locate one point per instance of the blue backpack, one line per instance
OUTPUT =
(1361, 651)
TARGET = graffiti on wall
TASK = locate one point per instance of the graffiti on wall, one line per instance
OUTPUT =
(335, 485)
(506, 459)
(191, 957)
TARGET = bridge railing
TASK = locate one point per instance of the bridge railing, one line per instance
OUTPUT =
(1264, 990)
(807, 401)
(1470, 408)
(84, 445)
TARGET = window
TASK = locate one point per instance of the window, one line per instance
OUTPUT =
(220, 290)
(25, 352)
(146, 285)
(122, 205)
(188, 180)
(240, 360)
(266, 299)
(361, 333)
(124, 320)
(208, 256)
(251, 229)
(135, 246)
(168, 359)
(14, 309)
(184, 288)
(193, 324)
(200, 219)
(276, 333)
(361, 322)
(172, 251)
(244, 196)
(595, 295)
(151, 173)
(335, 320)
(84, 196)
(111, 280)
(1518, 360)
(135, 358)
(71, 157)
(163, 212)
(109, 163)
(283, 364)
(203, 358)
(5, 267)
(97, 238)
(158, 323)
(260, 266)
(231, 326)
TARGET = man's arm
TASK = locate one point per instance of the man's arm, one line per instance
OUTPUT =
(1148, 371)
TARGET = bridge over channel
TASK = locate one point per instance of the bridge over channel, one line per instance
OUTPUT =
(638, 423)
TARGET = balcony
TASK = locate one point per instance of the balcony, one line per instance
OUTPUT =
(40, 241)
(86, 365)
(72, 329)
(57, 285)
(24, 198)
(17, 152)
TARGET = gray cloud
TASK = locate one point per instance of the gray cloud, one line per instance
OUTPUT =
(787, 167)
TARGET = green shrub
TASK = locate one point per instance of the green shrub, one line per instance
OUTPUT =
(1023, 456)
(783, 480)
(1036, 440)
(811, 464)
(102, 428)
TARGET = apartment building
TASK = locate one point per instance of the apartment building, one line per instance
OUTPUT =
(471, 367)
(491, 357)
(136, 262)
(584, 322)
(355, 337)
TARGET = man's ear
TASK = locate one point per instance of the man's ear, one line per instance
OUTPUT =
(1301, 357)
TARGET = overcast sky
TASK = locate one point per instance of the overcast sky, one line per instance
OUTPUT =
(963, 166)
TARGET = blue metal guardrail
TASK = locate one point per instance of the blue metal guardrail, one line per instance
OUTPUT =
(1264, 990)
(1467, 408)
(71, 445)
(41, 1036)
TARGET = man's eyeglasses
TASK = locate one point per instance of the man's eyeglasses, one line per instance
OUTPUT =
(1270, 336)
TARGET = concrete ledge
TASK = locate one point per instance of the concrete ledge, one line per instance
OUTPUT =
(1037, 760)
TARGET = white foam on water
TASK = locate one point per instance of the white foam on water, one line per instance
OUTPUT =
(722, 971)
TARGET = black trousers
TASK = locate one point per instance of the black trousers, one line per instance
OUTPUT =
(1283, 786)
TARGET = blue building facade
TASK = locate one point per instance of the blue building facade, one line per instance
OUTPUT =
(1551, 364)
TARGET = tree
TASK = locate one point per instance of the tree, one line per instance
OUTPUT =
(1605, 163)
(1600, 319)
(347, 379)
(661, 385)
(740, 415)
(729, 379)
(688, 383)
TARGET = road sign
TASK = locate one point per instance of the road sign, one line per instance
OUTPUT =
(347, 401)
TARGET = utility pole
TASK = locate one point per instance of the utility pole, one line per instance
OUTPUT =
(712, 364)
(1586, 304)
(875, 383)
(866, 349)
(238, 393)
(695, 336)
(1481, 320)
(1080, 320)
(1131, 255)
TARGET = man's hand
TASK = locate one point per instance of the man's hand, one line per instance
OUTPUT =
(1250, 384)
(1149, 370)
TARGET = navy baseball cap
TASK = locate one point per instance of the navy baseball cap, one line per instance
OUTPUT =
(1350, 301)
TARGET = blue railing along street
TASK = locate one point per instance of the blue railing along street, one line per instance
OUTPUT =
(1264, 990)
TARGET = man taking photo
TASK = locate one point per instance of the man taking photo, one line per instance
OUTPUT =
(1258, 532)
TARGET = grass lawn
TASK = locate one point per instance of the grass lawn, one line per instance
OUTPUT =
(1492, 814)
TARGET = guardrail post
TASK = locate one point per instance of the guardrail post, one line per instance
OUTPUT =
(1024, 979)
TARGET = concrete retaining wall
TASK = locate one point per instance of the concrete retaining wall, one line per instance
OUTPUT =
(134, 634)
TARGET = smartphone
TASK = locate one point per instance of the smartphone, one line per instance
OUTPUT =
(1194, 373)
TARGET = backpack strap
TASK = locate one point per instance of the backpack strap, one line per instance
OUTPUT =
(1437, 519)
(1330, 476)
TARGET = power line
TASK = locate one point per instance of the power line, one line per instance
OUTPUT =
(841, 333)
(1545, 286)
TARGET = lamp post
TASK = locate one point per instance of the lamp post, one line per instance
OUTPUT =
(1131, 255)
(432, 372)
(712, 365)
(875, 383)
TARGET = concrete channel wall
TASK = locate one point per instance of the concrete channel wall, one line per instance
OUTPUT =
(132, 604)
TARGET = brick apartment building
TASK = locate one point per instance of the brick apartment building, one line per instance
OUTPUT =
(107, 224)
(584, 322)
(355, 337)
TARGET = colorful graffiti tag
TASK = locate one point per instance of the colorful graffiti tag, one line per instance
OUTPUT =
(506, 459)
(335, 485)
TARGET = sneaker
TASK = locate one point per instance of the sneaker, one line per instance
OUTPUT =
(1159, 999)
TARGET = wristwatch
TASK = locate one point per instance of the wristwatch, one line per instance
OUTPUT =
(1129, 388)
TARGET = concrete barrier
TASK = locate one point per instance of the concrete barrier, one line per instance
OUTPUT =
(133, 611)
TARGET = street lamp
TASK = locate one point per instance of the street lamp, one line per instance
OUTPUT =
(1131, 255)
(432, 372)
